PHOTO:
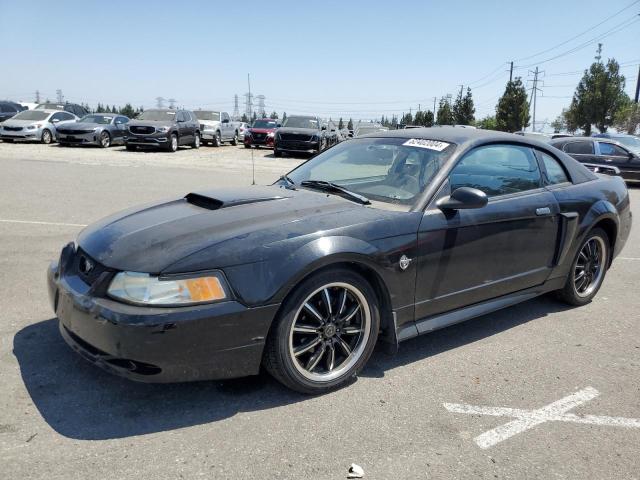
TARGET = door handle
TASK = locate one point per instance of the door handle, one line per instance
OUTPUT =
(543, 211)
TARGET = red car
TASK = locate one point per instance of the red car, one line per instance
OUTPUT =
(261, 132)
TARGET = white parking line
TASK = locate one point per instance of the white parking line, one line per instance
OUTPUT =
(629, 258)
(30, 222)
(527, 419)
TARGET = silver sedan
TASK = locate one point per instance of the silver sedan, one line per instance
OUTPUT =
(102, 129)
(35, 125)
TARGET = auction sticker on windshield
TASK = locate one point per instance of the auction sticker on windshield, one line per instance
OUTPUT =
(423, 143)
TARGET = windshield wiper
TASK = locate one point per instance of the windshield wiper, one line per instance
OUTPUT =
(334, 187)
(289, 184)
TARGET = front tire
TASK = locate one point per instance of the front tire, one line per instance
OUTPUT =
(325, 332)
(196, 141)
(105, 139)
(588, 269)
(234, 141)
(217, 139)
(277, 153)
(46, 136)
(173, 143)
(130, 148)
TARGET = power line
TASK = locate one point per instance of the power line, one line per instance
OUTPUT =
(590, 29)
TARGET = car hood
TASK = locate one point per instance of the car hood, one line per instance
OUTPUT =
(80, 125)
(262, 130)
(21, 123)
(217, 228)
(302, 131)
(150, 123)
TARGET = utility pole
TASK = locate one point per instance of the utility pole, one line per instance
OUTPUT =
(160, 102)
(511, 72)
(434, 108)
(638, 85)
(461, 88)
(59, 96)
(38, 96)
(253, 163)
(172, 102)
(534, 96)
(236, 111)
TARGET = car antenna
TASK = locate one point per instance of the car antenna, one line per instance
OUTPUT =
(253, 163)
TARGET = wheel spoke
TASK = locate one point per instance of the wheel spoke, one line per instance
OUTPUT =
(331, 358)
(348, 318)
(344, 345)
(315, 358)
(314, 312)
(343, 300)
(299, 328)
(351, 330)
(327, 301)
(579, 276)
(305, 348)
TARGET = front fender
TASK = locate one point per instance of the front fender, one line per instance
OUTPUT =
(270, 281)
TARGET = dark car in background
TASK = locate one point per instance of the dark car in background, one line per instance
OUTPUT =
(163, 128)
(603, 154)
(378, 239)
(9, 109)
(629, 141)
(77, 110)
(261, 133)
(102, 129)
(300, 134)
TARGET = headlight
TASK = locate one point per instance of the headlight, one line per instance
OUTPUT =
(32, 127)
(146, 289)
(162, 129)
(271, 134)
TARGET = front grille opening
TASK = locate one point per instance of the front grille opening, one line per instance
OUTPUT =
(133, 366)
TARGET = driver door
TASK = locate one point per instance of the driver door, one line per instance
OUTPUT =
(469, 256)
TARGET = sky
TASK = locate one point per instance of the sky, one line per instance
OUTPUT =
(358, 59)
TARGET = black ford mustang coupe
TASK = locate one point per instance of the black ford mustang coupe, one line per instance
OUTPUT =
(377, 239)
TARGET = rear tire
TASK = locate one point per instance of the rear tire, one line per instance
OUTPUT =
(588, 269)
(247, 146)
(325, 332)
(234, 141)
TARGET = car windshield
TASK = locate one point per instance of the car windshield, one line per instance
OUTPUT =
(366, 130)
(301, 122)
(207, 115)
(31, 115)
(101, 119)
(632, 142)
(264, 124)
(158, 115)
(389, 170)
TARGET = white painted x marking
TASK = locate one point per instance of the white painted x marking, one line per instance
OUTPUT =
(527, 419)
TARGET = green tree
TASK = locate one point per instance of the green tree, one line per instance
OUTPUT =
(445, 115)
(487, 123)
(284, 116)
(428, 119)
(599, 95)
(463, 109)
(254, 116)
(559, 124)
(512, 111)
(350, 124)
(274, 115)
(419, 118)
(127, 110)
(340, 124)
(244, 118)
(114, 109)
(627, 118)
(407, 119)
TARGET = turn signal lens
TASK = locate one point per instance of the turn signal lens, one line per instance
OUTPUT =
(142, 288)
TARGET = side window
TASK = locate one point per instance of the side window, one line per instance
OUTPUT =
(611, 149)
(580, 148)
(555, 171)
(56, 116)
(180, 117)
(121, 120)
(497, 170)
(66, 116)
(225, 116)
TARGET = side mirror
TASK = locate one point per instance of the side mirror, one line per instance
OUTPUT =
(55, 120)
(226, 120)
(278, 125)
(463, 198)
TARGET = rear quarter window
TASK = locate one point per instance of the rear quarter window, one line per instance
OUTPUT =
(579, 148)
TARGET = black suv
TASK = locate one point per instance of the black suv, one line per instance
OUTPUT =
(77, 110)
(300, 134)
(9, 109)
(163, 128)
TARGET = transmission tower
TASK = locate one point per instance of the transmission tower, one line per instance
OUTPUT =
(172, 102)
(59, 96)
(37, 96)
(236, 110)
(248, 104)
(160, 102)
(261, 105)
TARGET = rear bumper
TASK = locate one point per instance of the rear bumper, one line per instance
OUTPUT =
(159, 345)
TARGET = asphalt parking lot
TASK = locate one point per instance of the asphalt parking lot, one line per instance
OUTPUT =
(431, 411)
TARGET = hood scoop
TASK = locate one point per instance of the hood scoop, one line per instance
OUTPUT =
(210, 203)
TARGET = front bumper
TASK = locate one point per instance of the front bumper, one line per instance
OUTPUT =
(208, 134)
(204, 342)
(21, 135)
(153, 140)
(297, 146)
(78, 139)
(258, 140)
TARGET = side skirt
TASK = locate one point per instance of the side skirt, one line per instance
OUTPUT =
(429, 324)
